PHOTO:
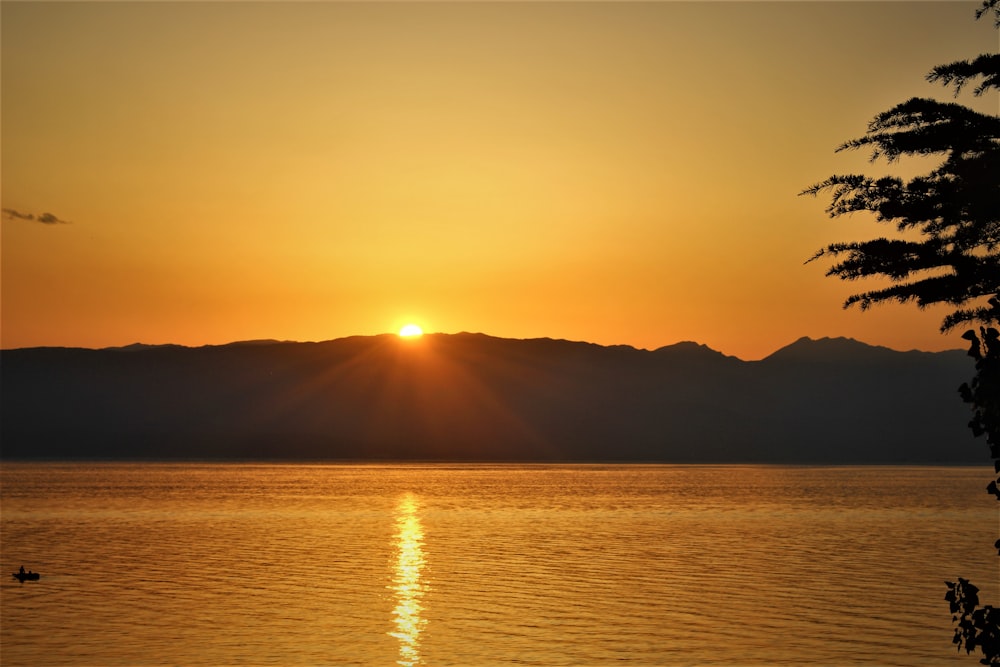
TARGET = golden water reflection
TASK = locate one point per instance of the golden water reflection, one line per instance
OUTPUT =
(406, 581)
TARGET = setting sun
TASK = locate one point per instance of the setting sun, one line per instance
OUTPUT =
(411, 331)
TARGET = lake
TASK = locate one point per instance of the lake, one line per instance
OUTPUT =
(257, 564)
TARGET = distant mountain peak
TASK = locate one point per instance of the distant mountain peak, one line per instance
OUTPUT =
(257, 341)
(136, 347)
(689, 347)
(828, 349)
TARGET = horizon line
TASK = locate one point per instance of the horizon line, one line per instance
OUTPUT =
(276, 341)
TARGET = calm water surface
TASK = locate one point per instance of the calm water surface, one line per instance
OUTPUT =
(217, 564)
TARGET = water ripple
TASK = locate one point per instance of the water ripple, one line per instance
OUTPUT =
(487, 565)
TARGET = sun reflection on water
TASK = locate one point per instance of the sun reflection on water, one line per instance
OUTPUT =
(406, 581)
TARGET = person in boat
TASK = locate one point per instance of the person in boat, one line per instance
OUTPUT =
(22, 570)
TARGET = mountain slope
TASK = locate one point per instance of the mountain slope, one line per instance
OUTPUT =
(476, 397)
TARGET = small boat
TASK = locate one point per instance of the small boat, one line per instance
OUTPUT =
(26, 576)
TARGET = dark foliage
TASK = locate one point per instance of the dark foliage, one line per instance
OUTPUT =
(949, 253)
(977, 628)
(959, 73)
(949, 218)
(980, 627)
(983, 391)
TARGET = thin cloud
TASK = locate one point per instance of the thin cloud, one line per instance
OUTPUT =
(44, 218)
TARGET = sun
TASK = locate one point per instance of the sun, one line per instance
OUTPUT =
(411, 331)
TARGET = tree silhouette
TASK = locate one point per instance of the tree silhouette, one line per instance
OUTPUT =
(980, 627)
(947, 252)
(955, 208)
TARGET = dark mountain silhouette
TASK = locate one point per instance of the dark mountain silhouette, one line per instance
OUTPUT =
(475, 397)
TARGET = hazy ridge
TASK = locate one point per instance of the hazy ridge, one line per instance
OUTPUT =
(475, 397)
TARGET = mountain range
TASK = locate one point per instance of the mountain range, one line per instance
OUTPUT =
(473, 397)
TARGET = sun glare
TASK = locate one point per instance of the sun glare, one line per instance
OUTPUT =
(411, 331)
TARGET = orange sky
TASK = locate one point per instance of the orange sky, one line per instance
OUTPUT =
(621, 173)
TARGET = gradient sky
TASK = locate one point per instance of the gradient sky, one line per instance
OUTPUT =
(620, 173)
